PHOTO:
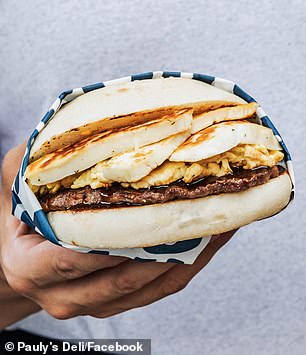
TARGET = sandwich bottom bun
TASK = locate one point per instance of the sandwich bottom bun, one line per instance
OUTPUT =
(141, 226)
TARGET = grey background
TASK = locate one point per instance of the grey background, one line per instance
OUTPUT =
(251, 297)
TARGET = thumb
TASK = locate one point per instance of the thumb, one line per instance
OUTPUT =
(10, 166)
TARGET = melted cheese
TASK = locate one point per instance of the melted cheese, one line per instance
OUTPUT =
(245, 156)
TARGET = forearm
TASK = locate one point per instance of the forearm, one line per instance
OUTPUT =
(13, 307)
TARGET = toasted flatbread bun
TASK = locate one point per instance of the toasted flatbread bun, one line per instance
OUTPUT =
(125, 104)
(140, 226)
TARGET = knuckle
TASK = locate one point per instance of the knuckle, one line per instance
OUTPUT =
(101, 316)
(65, 269)
(123, 284)
(101, 313)
(173, 285)
(61, 312)
(18, 284)
(39, 282)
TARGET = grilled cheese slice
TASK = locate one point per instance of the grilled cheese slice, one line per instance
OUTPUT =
(223, 114)
(222, 137)
(136, 164)
(94, 149)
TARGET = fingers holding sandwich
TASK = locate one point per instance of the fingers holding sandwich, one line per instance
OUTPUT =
(170, 282)
(49, 264)
(96, 292)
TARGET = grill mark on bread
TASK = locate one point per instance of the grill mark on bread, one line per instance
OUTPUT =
(44, 162)
(87, 130)
(115, 196)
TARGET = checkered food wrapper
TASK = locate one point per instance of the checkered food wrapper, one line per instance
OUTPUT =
(27, 208)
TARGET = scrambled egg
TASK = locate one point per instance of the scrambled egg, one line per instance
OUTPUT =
(92, 177)
(163, 175)
(246, 156)
(54, 186)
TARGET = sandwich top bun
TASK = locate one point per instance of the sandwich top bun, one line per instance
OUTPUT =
(125, 104)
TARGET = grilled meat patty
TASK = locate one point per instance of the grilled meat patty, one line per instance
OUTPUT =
(88, 198)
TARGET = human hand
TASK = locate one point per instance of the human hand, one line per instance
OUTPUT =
(67, 283)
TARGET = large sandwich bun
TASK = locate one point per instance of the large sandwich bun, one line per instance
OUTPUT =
(124, 104)
(156, 161)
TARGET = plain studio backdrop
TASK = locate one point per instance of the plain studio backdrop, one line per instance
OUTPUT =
(251, 297)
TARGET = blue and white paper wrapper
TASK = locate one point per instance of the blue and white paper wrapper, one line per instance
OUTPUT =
(27, 208)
